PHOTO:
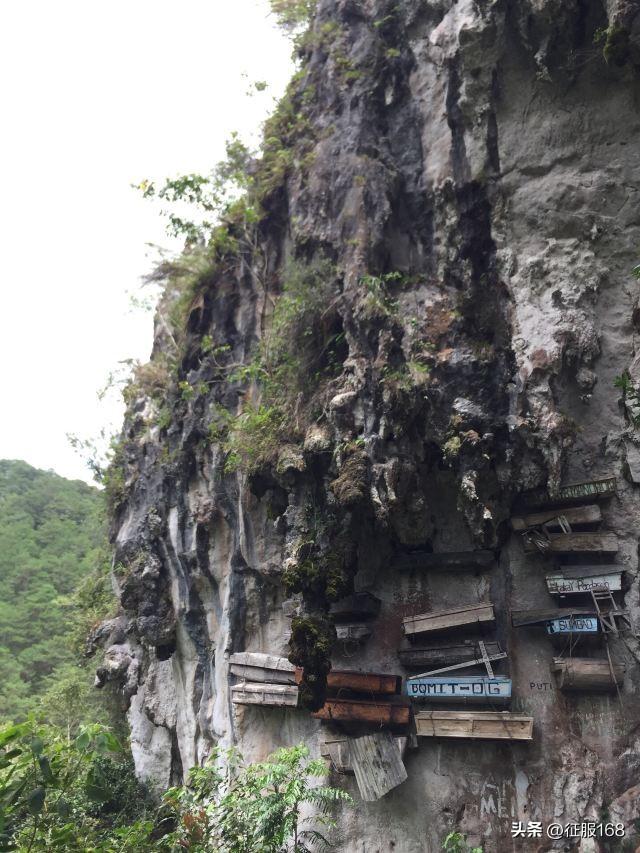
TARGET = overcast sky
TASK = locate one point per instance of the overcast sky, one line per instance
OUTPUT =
(95, 96)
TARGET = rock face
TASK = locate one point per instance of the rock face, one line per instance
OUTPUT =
(472, 175)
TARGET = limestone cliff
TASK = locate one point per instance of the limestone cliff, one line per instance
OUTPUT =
(462, 186)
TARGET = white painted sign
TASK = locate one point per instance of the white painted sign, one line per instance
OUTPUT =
(467, 687)
(558, 585)
(577, 625)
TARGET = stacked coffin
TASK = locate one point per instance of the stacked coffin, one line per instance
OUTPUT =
(567, 527)
(363, 697)
(267, 680)
(442, 684)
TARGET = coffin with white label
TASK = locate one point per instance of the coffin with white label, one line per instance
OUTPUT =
(257, 666)
(443, 620)
(481, 688)
(573, 625)
(277, 695)
(588, 674)
(582, 580)
(482, 725)
(571, 493)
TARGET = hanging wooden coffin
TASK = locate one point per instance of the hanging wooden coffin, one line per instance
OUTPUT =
(433, 656)
(442, 620)
(572, 493)
(377, 712)
(490, 725)
(575, 543)
(587, 674)
(377, 765)
(278, 695)
(337, 750)
(445, 560)
(257, 666)
(523, 618)
(353, 633)
(584, 583)
(468, 688)
(360, 682)
(575, 625)
(574, 515)
(360, 605)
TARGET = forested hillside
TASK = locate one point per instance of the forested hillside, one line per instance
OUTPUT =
(51, 538)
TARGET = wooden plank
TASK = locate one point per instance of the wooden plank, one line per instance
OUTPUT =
(261, 667)
(520, 618)
(377, 765)
(587, 674)
(381, 712)
(571, 493)
(277, 695)
(470, 688)
(441, 620)
(444, 654)
(444, 560)
(491, 725)
(360, 605)
(561, 585)
(575, 515)
(353, 633)
(577, 543)
(575, 625)
(337, 749)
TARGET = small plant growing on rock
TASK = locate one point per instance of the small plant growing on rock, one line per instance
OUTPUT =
(456, 842)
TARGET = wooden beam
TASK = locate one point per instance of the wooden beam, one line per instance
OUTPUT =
(381, 712)
(377, 765)
(587, 674)
(441, 620)
(520, 618)
(577, 543)
(575, 515)
(445, 654)
(571, 493)
(444, 560)
(489, 725)
(360, 605)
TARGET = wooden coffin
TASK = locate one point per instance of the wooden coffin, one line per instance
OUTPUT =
(377, 765)
(360, 605)
(521, 618)
(421, 657)
(470, 688)
(379, 712)
(587, 674)
(442, 620)
(278, 695)
(257, 666)
(360, 682)
(491, 725)
(353, 633)
(572, 493)
(575, 515)
(573, 625)
(337, 750)
(584, 583)
(444, 560)
(576, 543)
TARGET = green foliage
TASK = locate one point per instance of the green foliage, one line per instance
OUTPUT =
(51, 538)
(616, 44)
(293, 14)
(253, 808)
(630, 395)
(254, 437)
(456, 842)
(58, 793)
(379, 301)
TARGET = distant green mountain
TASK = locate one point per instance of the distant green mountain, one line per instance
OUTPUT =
(51, 537)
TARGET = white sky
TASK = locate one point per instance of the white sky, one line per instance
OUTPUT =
(94, 96)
